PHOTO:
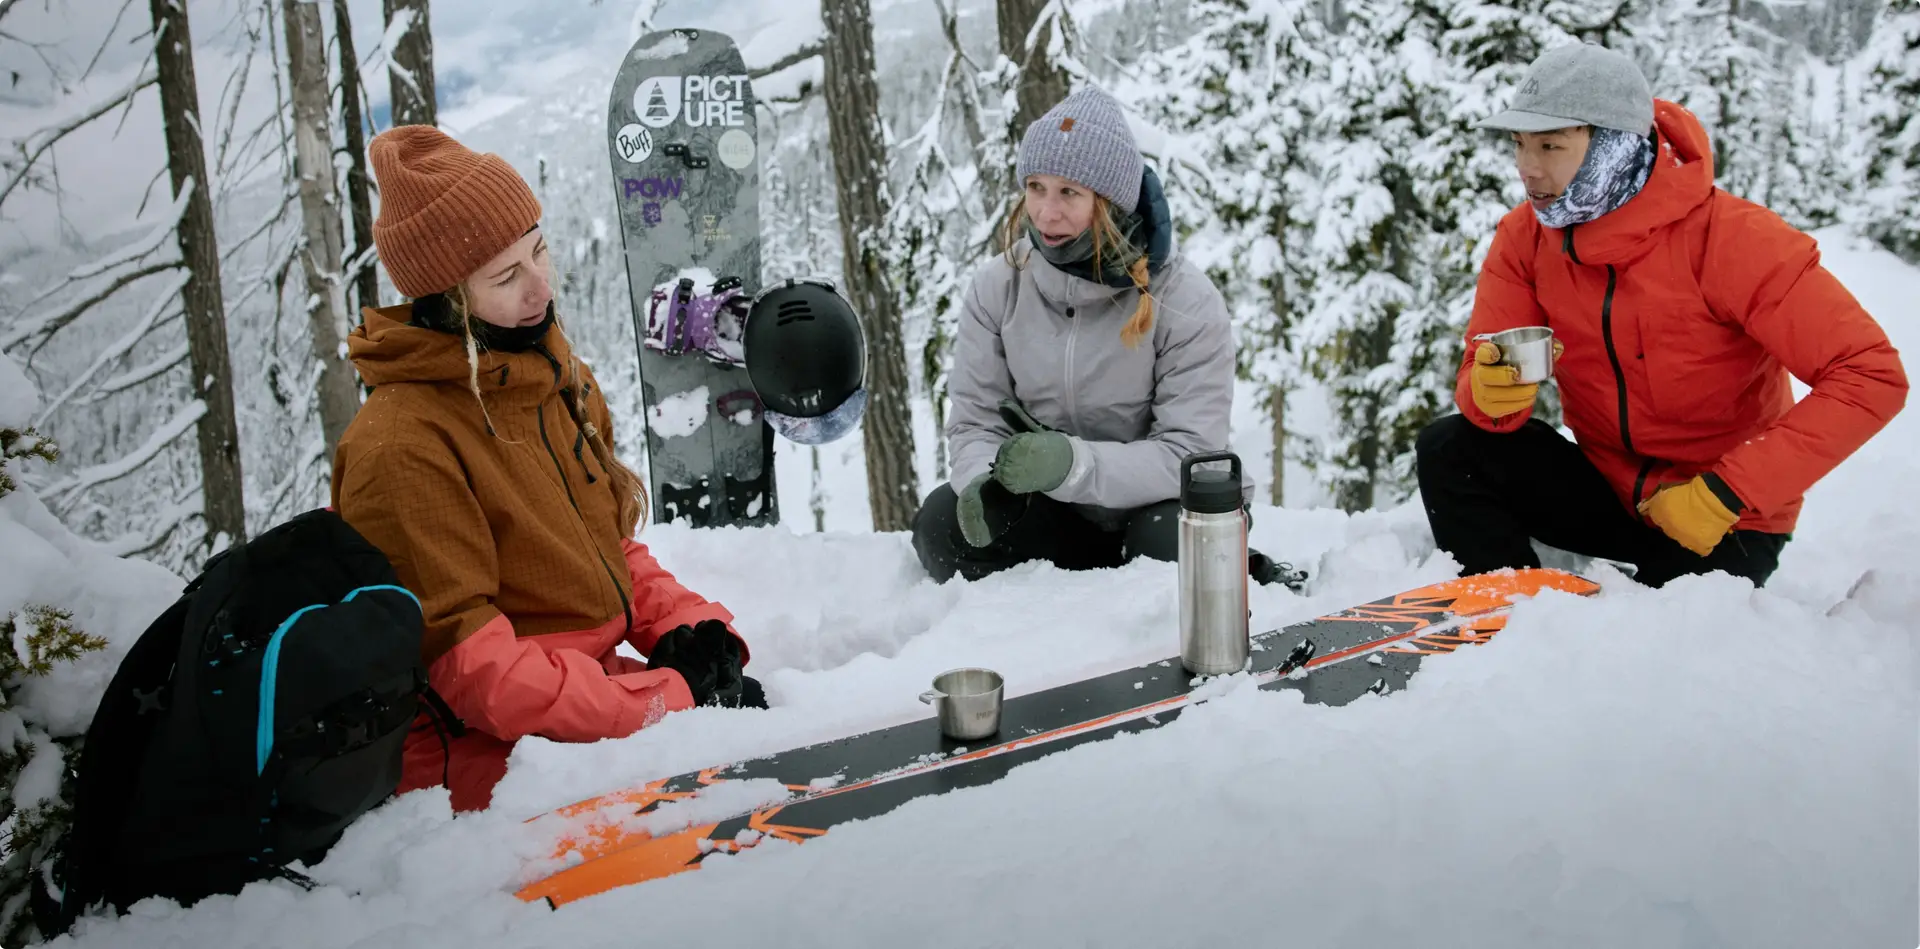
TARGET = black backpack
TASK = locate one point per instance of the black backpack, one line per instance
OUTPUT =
(247, 727)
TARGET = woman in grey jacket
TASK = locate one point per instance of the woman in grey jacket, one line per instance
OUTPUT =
(1091, 358)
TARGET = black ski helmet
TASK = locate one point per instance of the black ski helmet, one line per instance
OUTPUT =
(804, 349)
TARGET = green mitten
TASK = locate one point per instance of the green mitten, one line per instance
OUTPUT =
(1034, 461)
(971, 511)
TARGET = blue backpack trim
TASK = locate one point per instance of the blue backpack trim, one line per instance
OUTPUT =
(270, 669)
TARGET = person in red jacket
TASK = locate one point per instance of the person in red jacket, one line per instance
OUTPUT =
(482, 465)
(1679, 311)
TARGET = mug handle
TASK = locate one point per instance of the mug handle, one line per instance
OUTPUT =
(931, 696)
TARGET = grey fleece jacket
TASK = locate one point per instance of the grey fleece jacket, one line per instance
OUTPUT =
(1052, 341)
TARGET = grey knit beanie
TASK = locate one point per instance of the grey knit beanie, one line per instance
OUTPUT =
(1086, 139)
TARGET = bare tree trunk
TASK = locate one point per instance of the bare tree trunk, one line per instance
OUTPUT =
(1278, 406)
(819, 499)
(220, 482)
(365, 281)
(411, 68)
(860, 177)
(1041, 84)
(320, 208)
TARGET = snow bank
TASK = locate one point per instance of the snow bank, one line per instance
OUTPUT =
(1643, 768)
(42, 563)
(1704, 765)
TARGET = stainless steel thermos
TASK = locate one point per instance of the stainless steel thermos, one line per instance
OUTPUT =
(1213, 566)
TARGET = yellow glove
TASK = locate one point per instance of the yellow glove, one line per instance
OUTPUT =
(1693, 513)
(1495, 390)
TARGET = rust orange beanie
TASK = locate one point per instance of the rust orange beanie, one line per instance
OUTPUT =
(445, 209)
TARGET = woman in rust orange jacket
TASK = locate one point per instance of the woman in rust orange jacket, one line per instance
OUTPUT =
(1682, 310)
(482, 466)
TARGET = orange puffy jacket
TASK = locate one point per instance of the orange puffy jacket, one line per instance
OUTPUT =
(1682, 312)
(513, 541)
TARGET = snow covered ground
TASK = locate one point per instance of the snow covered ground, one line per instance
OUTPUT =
(1702, 766)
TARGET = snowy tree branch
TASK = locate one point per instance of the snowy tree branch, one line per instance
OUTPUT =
(54, 322)
(806, 94)
(133, 377)
(396, 31)
(166, 306)
(273, 273)
(102, 49)
(180, 511)
(5, 7)
(279, 215)
(96, 475)
(232, 92)
(788, 61)
(37, 144)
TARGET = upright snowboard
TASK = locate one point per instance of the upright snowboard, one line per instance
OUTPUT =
(681, 132)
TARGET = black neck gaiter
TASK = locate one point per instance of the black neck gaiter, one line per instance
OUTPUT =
(434, 312)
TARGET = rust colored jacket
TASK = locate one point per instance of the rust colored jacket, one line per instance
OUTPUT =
(513, 543)
(1683, 312)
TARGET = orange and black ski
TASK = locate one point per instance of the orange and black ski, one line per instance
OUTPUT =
(872, 773)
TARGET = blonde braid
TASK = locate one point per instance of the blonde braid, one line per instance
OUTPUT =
(1141, 323)
(457, 303)
(1106, 232)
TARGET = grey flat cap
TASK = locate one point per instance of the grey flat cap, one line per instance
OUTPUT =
(1579, 84)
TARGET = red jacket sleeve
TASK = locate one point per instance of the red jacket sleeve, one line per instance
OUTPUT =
(1767, 276)
(408, 498)
(660, 603)
(1502, 299)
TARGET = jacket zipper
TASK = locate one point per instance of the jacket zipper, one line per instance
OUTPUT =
(1613, 355)
(1640, 483)
(540, 412)
(1073, 333)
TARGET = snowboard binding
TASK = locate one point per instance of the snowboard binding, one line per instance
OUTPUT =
(682, 321)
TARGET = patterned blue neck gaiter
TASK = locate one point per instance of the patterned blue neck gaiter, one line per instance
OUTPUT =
(1615, 169)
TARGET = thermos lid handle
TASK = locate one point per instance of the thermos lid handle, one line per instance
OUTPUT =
(1210, 493)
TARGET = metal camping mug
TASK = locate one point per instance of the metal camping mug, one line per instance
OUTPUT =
(1526, 348)
(968, 702)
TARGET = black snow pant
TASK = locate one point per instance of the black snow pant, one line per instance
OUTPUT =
(1036, 527)
(1487, 494)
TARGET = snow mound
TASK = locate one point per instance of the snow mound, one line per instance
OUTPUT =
(1637, 768)
(42, 563)
(1706, 765)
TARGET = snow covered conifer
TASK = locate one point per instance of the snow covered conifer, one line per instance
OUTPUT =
(33, 775)
(1811, 177)
(67, 612)
(1725, 68)
(1241, 91)
(1370, 288)
(1891, 207)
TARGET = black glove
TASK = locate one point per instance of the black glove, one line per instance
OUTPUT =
(1017, 416)
(708, 657)
(751, 694)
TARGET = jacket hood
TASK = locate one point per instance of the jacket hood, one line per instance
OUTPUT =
(388, 348)
(1681, 181)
